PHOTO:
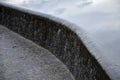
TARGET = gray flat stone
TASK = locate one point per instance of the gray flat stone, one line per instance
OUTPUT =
(21, 59)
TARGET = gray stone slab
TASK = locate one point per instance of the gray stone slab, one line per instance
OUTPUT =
(21, 59)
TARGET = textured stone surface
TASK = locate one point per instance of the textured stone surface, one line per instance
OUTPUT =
(58, 39)
(21, 59)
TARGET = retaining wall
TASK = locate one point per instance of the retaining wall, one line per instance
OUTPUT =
(58, 38)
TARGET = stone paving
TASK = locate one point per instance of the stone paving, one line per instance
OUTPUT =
(21, 59)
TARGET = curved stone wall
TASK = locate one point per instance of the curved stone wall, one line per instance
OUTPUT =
(57, 38)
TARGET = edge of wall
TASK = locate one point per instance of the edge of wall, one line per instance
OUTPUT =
(84, 65)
